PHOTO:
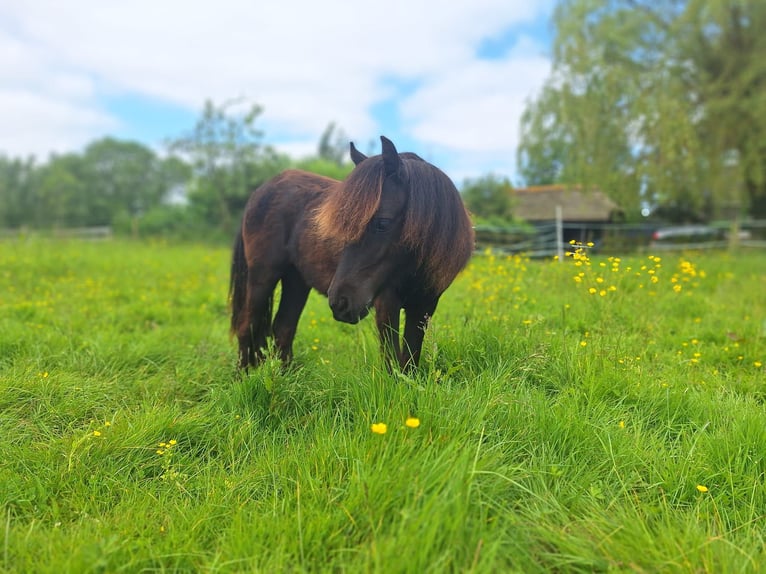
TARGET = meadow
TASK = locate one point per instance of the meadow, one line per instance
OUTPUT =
(602, 414)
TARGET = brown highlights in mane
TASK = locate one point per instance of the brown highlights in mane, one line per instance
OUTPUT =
(348, 209)
(437, 228)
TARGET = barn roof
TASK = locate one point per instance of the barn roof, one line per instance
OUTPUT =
(539, 203)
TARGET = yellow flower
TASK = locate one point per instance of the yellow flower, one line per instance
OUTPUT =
(583, 343)
(379, 428)
(107, 424)
(758, 364)
(412, 422)
(622, 424)
(96, 433)
(172, 442)
(702, 488)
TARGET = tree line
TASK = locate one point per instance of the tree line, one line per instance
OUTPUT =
(200, 186)
(658, 103)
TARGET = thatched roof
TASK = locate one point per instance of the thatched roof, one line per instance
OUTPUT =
(539, 204)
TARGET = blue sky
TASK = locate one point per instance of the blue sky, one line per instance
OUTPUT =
(447, 80)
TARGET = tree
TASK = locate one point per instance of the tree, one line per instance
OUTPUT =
(726, 45)
(333, 145)
(124, 176)
(18, 182)
(646, 102)
(60, 196)
(325, 167)
(228, 160)
(489, 197)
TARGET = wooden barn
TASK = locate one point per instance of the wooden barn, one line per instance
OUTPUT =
(538, 205)
(583, 213)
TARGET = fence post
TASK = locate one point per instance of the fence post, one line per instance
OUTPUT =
(559, 234)
(734, 234)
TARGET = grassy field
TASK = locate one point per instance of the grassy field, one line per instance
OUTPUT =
(591, 416)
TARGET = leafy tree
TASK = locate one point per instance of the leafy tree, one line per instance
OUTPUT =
(547, 141)
(228, 158)
(725, 44)
(489, 198)
(126, 176)
(18, 181)
(647, 101)
(324, 167)
(333, 145)
(60, 196)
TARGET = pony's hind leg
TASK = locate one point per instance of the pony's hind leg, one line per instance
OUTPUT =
(254, 330)
(295, 292)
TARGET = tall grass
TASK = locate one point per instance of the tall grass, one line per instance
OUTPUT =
(595, 415)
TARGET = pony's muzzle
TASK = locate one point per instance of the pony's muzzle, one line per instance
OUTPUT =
(343, 310)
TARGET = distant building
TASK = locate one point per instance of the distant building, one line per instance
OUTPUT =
(537, 204)
(583, 212)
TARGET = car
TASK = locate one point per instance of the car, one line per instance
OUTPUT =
(686, 235)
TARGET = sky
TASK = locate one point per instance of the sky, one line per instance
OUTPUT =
(446, 79)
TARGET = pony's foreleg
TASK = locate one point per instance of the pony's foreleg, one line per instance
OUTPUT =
(417, 318)
(387, 309)
(295, 292)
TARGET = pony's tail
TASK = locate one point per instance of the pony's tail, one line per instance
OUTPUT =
(238, 284)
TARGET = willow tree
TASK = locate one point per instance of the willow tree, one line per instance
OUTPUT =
(647, 99)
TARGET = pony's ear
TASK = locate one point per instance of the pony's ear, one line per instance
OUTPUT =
(356, 156)
(391, 160)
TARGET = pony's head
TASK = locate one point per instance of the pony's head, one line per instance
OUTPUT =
(396, 217)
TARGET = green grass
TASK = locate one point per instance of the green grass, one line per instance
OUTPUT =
(560, 430)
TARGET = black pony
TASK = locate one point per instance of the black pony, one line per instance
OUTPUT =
(393, 235)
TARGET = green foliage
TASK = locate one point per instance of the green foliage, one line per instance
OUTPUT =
(18, 179)
(654, 102)
(229, 160)
(488, 198)
(560, 429)
(199, 192)
(333, 145)
(130, 175)
(324, 167)
(110, 178)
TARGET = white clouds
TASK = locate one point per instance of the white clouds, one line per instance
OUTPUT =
(476, 106)
(36, 124)
(475, 110)
(308, 63)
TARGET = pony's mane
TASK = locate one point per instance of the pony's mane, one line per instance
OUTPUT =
(437, 228)
(347, 210)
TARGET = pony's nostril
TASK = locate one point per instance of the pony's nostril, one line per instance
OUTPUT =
(340, 305)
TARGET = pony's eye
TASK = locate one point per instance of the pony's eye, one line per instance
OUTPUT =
(381, 224)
